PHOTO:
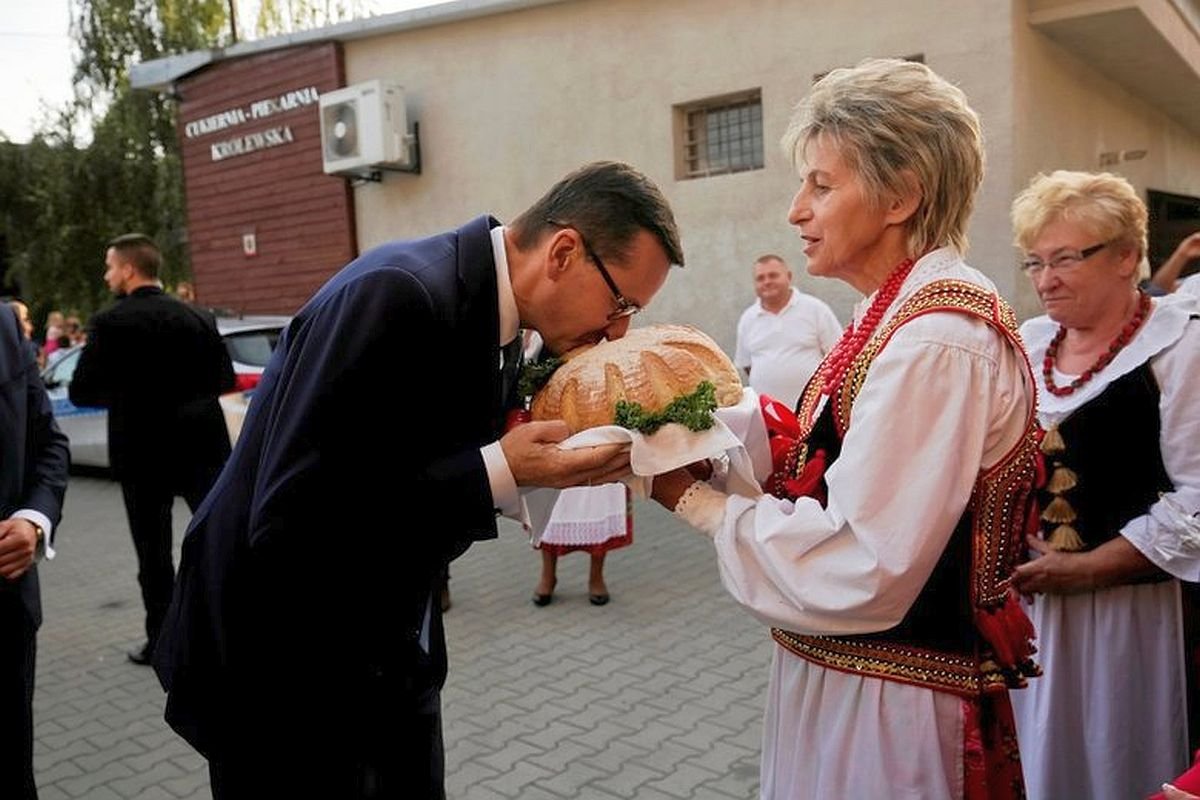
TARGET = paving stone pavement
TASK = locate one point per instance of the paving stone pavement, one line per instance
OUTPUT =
(656, 696)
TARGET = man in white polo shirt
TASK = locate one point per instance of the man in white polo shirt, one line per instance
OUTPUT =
(783, 337)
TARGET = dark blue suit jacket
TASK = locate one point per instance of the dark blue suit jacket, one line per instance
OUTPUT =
(33, 457)
(305, 576)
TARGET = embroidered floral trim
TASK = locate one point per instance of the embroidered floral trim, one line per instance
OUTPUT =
(1000, 506)
(948, 672)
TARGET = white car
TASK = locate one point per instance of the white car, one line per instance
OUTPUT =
(250, 342)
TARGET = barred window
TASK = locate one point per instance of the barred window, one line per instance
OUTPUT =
(720, 135)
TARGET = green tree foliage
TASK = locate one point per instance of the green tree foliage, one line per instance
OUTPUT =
(60, 200)
(64, 200)
(289, 16)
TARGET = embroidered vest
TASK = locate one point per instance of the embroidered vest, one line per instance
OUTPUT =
(965, 633)
(1093, 490)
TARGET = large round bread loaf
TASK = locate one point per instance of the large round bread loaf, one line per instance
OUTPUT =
(651, 366)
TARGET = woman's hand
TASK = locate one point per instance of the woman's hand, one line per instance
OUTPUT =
(1114, 563)
(1053, 571)
(670, 486)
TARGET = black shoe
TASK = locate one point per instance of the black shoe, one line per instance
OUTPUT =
(542, 599)
(142, 655)
(598, 599)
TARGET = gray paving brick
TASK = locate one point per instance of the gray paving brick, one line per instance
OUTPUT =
(629, 780)
(657, 695)
(90, 782)
(141, 781)
(514, 782)
(683, 781)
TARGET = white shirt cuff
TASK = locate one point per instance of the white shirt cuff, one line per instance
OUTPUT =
(505, 497)
(43, 522)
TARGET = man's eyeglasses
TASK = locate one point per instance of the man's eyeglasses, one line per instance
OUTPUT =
(625, 306)
(1065, 261)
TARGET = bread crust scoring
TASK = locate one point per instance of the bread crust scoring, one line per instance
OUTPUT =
(650, 366)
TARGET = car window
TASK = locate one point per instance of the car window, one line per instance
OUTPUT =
(252, 347)
(60, 371)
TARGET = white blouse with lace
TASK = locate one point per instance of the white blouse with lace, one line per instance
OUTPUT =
(946, 397)
(1108, 718)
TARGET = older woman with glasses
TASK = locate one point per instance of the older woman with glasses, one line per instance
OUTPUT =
(1119, 398)
(903, 481)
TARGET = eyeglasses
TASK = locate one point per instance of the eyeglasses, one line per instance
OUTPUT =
(625, 306)
(1065, 261)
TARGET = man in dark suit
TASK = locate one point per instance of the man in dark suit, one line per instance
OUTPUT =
(158, 365)
(33, 480)
(304, 653)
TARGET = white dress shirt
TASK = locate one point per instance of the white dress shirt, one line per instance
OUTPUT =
(783, 349)
(505, 495)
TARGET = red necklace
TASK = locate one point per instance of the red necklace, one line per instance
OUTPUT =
(833, 368)
(1114, 347)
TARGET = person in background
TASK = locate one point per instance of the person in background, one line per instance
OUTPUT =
(74, 331)
(56, 334)
(22, 312)
(1166, 278)
(586, 519)
(33, 481)
(158, 366)
(185, 292)
(1119, 398)
(783, 336)
(305, 627)
(904, 478)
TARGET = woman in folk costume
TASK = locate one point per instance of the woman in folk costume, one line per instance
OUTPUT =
(587, 519)
(905, 478)
(1119, 397)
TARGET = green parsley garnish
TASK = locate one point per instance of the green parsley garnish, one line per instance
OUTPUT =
(535, 374)
(695, 411)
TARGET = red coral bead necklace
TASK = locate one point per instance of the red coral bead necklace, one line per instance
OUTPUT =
(833, 369)
(1115, 346)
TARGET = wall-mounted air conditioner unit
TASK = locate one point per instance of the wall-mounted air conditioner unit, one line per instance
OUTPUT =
(364, 128)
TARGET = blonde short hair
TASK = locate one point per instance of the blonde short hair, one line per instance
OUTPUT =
(1103, 204)
(889, 117)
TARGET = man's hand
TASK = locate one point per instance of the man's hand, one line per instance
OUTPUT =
(535, 459)
(18, 545)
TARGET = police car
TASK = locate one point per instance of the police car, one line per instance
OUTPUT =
(250, 342)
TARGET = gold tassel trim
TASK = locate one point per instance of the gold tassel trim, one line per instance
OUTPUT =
(1059, 511)
(1052, 442)
(1065, 538)
(1061, 480)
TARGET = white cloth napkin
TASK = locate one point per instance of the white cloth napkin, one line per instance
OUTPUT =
(737, 432)
(737, 439)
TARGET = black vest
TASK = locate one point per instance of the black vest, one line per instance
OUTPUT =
(1112, 446)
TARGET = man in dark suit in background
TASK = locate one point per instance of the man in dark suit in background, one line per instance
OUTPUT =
(304, 652)
(158, 365)
(33, 480)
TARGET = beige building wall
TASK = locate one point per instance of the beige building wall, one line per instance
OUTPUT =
(1069, 115)
(508, 103)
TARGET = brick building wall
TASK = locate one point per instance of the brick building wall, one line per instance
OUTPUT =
(266, 225)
